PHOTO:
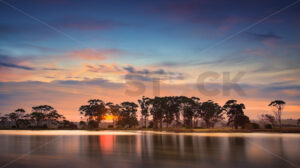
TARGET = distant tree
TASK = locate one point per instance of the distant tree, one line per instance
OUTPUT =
(41, 113)
(15, 116)
(20, 112)
(3, 121)
(211, 113)
(82, 124)
(95, 110)
(235, 113)
(37, 117)
(278, 105)
(54, 117)
(144, 104)
(66, 124)
(128, 115)
(269, 119)
(93, 124)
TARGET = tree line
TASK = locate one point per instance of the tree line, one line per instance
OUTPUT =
(157, 112)
(174, 111)
(41, 117)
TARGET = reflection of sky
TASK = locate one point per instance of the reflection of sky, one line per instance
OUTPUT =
(94, 42)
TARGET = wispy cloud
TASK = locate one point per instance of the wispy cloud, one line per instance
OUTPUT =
(263, 36)
(10, 65)
(95, 54)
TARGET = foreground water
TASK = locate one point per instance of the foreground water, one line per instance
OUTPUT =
(147, 149)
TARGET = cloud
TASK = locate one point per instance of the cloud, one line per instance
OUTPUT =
(263, 36)
(150, 75)
(104, 68)
(95, 54)
(10, 65)
(95, 82)
(10, 62)
(52, 69)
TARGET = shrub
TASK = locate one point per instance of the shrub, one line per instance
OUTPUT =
(150, 124)
(268, 126)
(110, 126)
(255, 126)
(93, 124)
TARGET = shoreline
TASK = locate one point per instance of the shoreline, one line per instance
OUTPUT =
(180, 130)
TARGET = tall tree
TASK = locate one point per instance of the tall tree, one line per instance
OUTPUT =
(235, 113)
(189, 107)
(156, 111)
(95, 110)
(170, 108)
(144, 104)
(114, 110)
(211, 113)
(128, 114)
(278, 105)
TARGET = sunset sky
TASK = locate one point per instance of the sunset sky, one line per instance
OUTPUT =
(65, 52)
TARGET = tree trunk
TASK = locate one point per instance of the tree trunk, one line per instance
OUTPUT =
(145, 121)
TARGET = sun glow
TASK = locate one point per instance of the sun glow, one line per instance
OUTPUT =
(109, 117)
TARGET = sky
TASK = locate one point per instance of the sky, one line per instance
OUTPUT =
(65, 52)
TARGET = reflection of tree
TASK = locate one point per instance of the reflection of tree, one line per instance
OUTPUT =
(90, 146)
(237, 151)
(212, 148)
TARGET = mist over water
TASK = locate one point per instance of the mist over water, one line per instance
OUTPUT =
(147, 149)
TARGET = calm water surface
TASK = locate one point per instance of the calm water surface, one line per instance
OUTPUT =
(147, 149)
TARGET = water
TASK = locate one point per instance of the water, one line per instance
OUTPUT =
(147, 149)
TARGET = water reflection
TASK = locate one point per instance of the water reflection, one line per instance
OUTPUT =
(146, 149)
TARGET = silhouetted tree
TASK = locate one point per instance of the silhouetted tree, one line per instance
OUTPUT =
(82, 124)
(278, 105)
(15, 116)
(211, 113)
(128, 114)
(235, 113)
(189, 109)
(170, 109)
(3, 121)
(40, 113)
(114, 110)
(156, 111)
(66, 124)
(144, 104)
(95, 110)
(242, 120)
(54, 117)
